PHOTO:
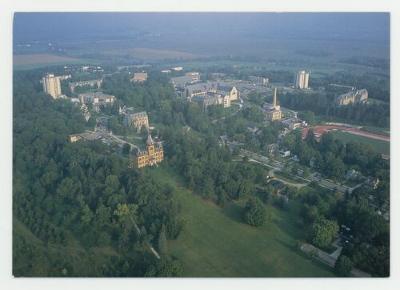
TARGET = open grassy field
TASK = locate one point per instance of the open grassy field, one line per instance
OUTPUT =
(216, 243)
(31, 61)
(378, 145)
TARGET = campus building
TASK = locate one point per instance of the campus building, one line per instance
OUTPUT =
(352, 97)
(212, 98)
(153, 154)
(261, 81)
(195, 76)
(89, 83)
(181, 82)
(211, 93)
(139, 77)
(137, 120)
(97, 99)
(200, 89)
(52, 85)
(302, 78)
(273, 112)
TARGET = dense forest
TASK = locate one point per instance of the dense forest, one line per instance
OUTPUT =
(80, 198)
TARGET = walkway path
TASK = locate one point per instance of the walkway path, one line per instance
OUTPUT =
(297, 185)
(327, 259)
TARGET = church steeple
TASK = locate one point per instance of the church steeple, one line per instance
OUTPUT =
(149, 140)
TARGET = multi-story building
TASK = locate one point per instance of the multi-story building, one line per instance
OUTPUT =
(153, 154)
(139, 77)
(52, 85)
(273, 112)
(97, 99)
(200, 89)
(195, 76)
(261, 81)
(182, 81)
(302, 78)
(137, 120)
(90, 83)
(293, 123)
(210, 93)
(233, 94)
(212, 98)
(352, 97)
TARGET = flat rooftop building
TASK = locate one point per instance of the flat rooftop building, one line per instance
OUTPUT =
(139, 77)
(182, 81)
(90, 83)
(97, 99)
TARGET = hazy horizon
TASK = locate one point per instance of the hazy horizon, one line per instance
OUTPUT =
(213, 33)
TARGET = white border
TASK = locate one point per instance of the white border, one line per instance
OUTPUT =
(7, 8)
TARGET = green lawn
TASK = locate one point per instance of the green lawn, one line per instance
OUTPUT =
(216, 243)
(378, 145)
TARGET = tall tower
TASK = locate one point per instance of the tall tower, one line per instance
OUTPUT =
(150, 145)
(302, 78)
(274, 102)
(52, 85)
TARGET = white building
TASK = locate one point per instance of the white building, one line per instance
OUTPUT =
(302, 78)
(353, 97)
(52, 85)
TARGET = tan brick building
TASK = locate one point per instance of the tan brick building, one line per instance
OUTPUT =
(153, 154)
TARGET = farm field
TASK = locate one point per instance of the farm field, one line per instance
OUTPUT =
(218, 244)
(152, 54)
(30, 61)
(378, 145)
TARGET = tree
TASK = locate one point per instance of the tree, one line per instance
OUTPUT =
(254, 212)
(343, 266)
(87, 215)
(323, 232)
(308, 116)
(166, 268)
(162, 242)
(126, 148)
(126, 213)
